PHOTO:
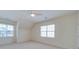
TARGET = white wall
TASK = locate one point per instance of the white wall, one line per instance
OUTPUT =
(23, 32)
(65, 31)
(78, 30)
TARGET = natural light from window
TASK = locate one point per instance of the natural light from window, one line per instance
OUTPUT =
(48, 31)
(6, 30)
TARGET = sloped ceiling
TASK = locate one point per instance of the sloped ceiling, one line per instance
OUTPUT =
(23, 16)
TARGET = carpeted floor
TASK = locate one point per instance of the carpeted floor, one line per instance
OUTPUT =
(27, 45)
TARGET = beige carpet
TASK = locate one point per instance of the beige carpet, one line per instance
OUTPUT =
(27, 45)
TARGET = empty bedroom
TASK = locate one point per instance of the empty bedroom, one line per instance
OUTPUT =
(39, 29)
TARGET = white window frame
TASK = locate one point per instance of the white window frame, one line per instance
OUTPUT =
(6, 30)
(47, 31)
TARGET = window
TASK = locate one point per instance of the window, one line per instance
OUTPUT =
(48, 31)
(6, 30)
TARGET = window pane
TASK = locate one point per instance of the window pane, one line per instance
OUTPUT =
(10, 34)
(3, 34)
(2, 25)
(6, 30)
(48, 31)
(51, 34)
(51, 28)
(2, 28)
(43, 34)
(10, 31)
(43, 28)
(10, 27)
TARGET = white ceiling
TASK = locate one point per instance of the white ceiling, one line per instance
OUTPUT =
(24, 16)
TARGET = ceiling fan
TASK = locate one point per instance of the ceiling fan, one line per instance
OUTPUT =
(34, 13)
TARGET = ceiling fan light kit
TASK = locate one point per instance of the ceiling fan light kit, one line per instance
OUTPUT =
(33, 15)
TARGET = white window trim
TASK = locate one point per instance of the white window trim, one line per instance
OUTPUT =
(6, 32)
(46, 36)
